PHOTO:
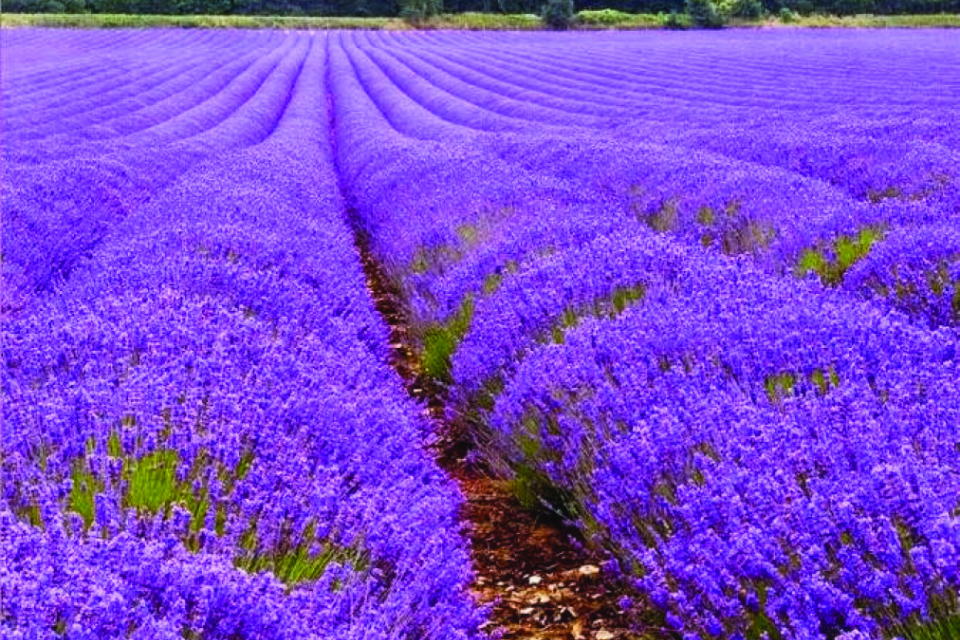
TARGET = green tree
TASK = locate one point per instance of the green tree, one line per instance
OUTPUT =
(786, 15)
(704, 14)
(557, 14)
(745, 9)
(674, 20)
(417, 11)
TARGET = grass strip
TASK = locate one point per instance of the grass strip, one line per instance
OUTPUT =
(586, 20)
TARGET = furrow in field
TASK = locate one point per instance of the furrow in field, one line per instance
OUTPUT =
(551, 96)
(656, 83)
(514, 64)
(194, 100)
(658, 60)
(43, 54)
(725, 70)
(615, 351)
(56, 84)
(125, 69)
(43, 88)
(181, 117)
(79, 67)
(697, 294)
(57, 227)
(401, 113)
(490, 113)
(817, 216)
(223, 329)
(117, 96)
(453, 98)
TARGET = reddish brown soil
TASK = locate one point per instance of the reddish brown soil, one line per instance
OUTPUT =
(542, 582)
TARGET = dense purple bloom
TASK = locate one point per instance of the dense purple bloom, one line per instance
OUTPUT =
(697, 291)
(202, 434)
(628, 249)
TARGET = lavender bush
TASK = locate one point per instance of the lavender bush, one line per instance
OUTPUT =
(203, 437)
(697, 292)
(669, 303)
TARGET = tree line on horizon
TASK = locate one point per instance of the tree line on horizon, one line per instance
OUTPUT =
(390, 8)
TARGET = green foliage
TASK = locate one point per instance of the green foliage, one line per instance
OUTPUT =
(418, 11)
(492, 282)
(294, 567)
(85, 487)
(674, 20)
(733, 232)
(782, 385)
(441, 340)
(609, 306)
(626, 296)
(477, 21)
(703, 14)
(746, 237)
(469, 235)
(611, 18)
(603, 17)
(558, 14)
(943, 623)
(846, 250)
(742, 9)
(153, 487)
(706, 216)
(786, 15)
(44, 6)
(529, 484)
(153, 481)
(879, 195)
(665, 218)
(439, 343)
(297, 561)
(506, 7)
(435, 259)
(463, 14)
(219, 21)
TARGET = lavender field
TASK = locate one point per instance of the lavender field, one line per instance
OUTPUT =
(698, 293)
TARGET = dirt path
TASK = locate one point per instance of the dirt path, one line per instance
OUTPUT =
(543, 583)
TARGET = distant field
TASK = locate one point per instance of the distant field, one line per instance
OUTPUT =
(466, 21)
(696, 294)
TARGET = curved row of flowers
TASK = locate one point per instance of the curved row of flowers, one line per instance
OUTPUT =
(689, 343)
(202, 435)
(703, 308)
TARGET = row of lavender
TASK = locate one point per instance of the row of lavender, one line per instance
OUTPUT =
(725, 151)
(202, 438)
(600, 263)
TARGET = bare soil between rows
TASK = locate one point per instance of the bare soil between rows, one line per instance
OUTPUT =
(535, 572)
